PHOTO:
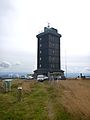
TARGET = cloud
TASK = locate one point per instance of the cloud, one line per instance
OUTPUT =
(5, 64)
(87, 68)
(17, 63)
(5, 5)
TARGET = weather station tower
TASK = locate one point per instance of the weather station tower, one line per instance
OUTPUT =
(48, 52)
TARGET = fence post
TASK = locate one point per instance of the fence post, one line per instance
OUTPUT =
(19, 93)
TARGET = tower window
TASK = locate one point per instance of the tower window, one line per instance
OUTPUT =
(40, 45)
(40, 58)
(53, 51)
(40, 38)
(40, 51)
(40, 65)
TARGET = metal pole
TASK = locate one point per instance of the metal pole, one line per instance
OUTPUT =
(66, 63)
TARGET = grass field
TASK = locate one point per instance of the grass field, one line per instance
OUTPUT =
(56, 100)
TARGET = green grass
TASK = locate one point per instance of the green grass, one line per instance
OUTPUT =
(42, 103)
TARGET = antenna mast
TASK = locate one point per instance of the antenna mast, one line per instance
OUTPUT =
(66, 63)
(48, 25)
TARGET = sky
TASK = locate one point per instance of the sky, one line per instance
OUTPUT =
(22, 20)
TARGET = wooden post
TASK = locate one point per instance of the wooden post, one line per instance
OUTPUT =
(19, 94)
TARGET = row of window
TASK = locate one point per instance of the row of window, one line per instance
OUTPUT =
(53, 38)
(53, 59)
(54, 52)
(53, 66)
(53, 45)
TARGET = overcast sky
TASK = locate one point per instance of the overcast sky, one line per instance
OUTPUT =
(22, 20)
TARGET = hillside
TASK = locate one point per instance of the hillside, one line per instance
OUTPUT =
(56, 100)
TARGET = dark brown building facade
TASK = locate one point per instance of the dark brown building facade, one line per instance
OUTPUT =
(48, 52)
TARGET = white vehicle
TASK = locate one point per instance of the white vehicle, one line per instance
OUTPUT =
(40, 78)
(30, 77)
(45, 78)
